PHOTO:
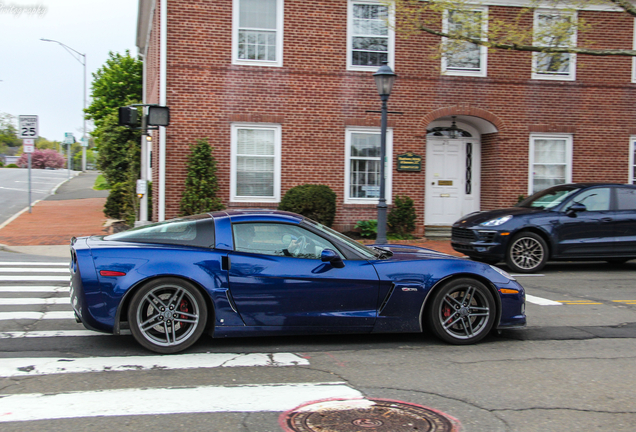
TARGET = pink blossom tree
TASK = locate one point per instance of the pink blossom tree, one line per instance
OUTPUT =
(41, 159)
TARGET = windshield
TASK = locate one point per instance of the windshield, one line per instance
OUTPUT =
(361, 249)
(549, 198)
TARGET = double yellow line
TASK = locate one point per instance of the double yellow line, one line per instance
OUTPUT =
(591, 302)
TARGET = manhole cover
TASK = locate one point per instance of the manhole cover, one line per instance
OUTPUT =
(365, 415)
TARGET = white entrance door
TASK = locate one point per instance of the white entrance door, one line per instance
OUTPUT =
(453, 169)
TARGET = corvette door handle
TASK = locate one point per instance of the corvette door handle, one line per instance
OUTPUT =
(607, 219)
(225, 263)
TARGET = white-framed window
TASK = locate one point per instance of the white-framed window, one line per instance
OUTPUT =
(554, 66)
(632, 160)
(465, 58)
(550, 161)
(257, 32)
(370, 38)
(255, 167)
(362, 165)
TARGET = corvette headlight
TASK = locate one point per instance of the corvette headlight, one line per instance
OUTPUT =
(502, 272)
(496, 222)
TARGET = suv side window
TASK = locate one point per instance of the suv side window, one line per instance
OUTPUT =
(597, 199)
(626, 199)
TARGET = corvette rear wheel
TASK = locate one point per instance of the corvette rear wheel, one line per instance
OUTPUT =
(463, 312)
(167, 315)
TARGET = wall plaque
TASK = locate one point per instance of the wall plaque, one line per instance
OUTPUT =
(409, 162)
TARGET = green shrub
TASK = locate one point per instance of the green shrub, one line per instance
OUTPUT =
(201, 186)
(1, 164)
(368, 228)
(317, 202)
(115, 207)
(401, 218)
(12, 166)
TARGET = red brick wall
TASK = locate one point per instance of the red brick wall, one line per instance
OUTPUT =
(314, 97)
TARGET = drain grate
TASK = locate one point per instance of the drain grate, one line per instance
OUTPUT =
(365, 415)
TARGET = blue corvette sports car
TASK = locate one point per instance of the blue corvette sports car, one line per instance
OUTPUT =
(265, 272)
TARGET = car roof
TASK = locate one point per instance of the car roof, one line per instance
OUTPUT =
(593, 184)
(255, 215)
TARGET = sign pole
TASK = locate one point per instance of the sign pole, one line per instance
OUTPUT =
(28, 132)
(29, 158)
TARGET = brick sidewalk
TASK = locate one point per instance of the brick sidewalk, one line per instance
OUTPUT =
(55, 222)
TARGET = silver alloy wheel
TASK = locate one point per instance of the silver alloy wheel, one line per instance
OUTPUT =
(527, 253)
(168, 315)
(464, 313)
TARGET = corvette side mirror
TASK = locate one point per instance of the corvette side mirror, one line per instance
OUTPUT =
(332, 258)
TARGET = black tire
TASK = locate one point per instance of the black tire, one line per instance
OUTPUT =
(490, 261)
(167, 315)
(527, 253)
(462, 312)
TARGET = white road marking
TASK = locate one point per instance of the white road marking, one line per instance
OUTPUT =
(37, 315)
(35, 278)
(541, 301)
(13, 367)
(33, 288)
(34, 263)
(50, 333)
(150, 401)
(33, 270)
(34, 301)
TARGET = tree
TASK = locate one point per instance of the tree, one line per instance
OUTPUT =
(200, 185)
(117, 83)
(41, 159)
(8, 132)
(514, 33)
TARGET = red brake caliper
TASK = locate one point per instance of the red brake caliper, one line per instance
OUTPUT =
(183, 307)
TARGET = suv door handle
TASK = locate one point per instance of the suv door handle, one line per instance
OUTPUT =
(606, 219)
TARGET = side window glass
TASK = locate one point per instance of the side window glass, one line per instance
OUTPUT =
(626, 198)
(594, 199)
(279, 240)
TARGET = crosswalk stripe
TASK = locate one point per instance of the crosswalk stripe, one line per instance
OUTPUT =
(49, 333)
(37, 315)
(34, 278)
(34, 263)
(33, 288)
(33, 270)
(14, 367)
(541, 301)
(155, 401)
(34, 301)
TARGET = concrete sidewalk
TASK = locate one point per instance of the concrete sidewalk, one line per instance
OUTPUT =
(76, 210)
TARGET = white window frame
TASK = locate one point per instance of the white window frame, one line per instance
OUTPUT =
(388, 167)
(571, 76)
(568, 156)
(350, 35)
(280, 13)
(277, 162)
(632, 160)
(483, 51)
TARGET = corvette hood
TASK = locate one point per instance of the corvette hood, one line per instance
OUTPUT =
(408, 252)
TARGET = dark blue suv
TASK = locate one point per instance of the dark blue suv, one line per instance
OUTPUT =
(581, 221)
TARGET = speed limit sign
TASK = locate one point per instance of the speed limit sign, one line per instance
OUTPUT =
(28, 125)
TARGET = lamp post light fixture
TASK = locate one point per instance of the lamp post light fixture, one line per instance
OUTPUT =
(82, 59)
(384, 80)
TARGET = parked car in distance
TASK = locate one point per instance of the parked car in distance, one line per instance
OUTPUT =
(265, 272)
(581, 221)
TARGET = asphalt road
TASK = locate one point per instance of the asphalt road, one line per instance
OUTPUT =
(571, 369)
(14, 188)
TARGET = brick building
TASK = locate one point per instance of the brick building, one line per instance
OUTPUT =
(282, 90)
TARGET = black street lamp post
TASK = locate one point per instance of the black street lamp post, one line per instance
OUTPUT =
(384, 79)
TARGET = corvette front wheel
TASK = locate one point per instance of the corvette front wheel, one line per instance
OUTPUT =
(463, 312)
(167, 315)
